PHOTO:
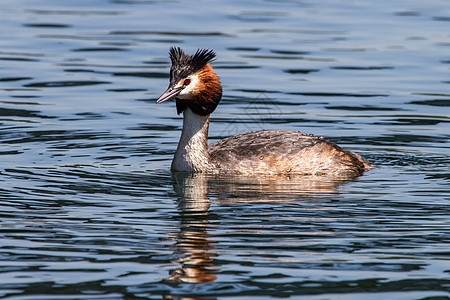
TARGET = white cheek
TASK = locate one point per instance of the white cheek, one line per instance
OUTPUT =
(190, 89)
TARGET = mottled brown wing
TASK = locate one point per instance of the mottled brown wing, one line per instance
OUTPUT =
(282, 151)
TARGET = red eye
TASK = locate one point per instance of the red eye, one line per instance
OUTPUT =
(187, 81)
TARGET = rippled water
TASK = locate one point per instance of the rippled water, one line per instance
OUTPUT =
(90, 209)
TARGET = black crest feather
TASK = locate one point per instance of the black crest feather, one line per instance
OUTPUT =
(183, 65)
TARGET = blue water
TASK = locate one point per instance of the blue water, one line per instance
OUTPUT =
(90, 209)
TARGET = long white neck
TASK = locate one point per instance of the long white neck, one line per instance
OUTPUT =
(192, 152)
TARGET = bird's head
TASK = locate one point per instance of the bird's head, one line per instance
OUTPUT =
(193, 82)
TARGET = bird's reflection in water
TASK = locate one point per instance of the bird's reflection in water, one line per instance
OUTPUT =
(194, 246)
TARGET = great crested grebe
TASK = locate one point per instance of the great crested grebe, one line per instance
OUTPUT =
(197, 90)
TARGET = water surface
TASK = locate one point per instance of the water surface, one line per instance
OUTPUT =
(90, 209)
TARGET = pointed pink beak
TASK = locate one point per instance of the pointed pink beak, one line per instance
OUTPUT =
(169, 94)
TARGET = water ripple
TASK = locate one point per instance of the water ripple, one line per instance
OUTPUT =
(91, 210)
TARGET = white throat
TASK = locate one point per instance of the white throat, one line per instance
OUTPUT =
(192, 151)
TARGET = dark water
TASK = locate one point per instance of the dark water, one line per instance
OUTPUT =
(90, 210)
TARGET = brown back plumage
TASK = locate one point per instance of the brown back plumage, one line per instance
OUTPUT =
(284, 152)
